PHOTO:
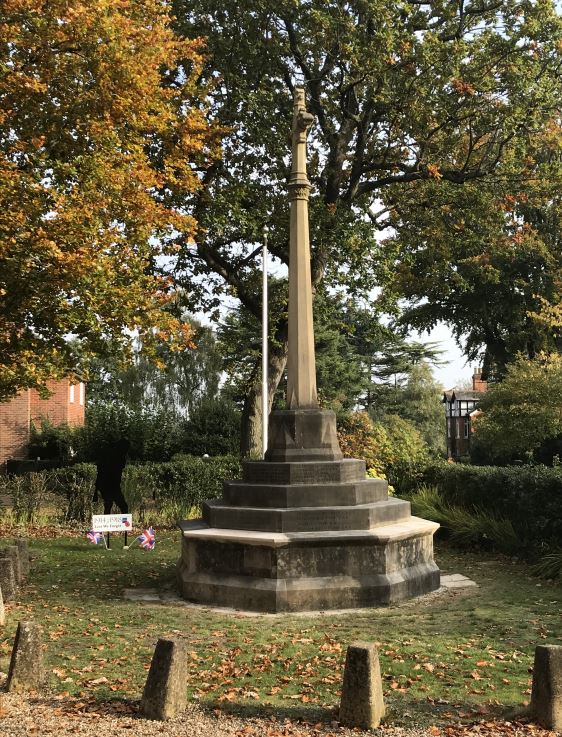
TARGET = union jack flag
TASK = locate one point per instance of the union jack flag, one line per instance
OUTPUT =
(94, 537)
(147, 539)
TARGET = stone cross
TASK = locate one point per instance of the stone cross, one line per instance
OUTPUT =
(301, 364)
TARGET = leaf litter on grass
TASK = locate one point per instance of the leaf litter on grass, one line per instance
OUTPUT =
(446, 656)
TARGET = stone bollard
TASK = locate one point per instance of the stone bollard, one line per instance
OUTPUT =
(546, 698)
(165, 691)
(2, 610)
(23, 548)
(26, 665)
(361, 700)
(12, 552)
(7, 578)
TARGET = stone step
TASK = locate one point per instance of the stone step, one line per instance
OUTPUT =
(300, 519)
(308, 593)
(366, 491)
(303, 472)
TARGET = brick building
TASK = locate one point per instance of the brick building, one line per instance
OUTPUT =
(66, 405)
(460, 412)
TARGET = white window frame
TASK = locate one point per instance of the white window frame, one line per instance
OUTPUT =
(71, 393)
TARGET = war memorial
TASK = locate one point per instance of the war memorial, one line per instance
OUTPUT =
(305, 529)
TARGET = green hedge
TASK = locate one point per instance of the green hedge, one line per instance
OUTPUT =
(529, 496)
(156, 492)
(177, 488)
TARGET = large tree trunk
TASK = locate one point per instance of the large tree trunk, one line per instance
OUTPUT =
(251, 431)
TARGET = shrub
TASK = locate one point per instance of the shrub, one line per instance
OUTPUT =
(27, 493)
(393, 449)
(465, 526)
(74, 484)
(213, 428)
(179, 487)
(550, 565)
(52, 442)
(529, 496)
(163, 492)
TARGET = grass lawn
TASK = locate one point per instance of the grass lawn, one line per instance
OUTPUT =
(451, 656)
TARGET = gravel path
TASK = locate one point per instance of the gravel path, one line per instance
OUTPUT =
(27, 716)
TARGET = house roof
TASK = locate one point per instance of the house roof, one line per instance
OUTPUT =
(456, 395)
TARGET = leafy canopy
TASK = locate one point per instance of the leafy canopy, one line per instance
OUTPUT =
(401, 92)
(523, 412)
(99, 130)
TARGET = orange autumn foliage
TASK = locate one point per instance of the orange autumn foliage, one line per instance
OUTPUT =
(101, 125)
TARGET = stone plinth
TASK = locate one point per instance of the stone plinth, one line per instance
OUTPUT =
(303, 435)
(306, 535)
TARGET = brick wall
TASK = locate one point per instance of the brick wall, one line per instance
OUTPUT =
(14, 427)
(65, 405)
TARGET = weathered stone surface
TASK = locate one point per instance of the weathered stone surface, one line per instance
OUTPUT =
(361, 700)
(546, 699)
(303, 435)
(309, 472)
(273, 572)
(7, 577)
(301, 371)
(301, 519)
(13, 552)
(165, 691)
(364, 491)
(26, 665)
(23, 548)
(2, 611)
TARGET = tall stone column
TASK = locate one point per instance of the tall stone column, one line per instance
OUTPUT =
(302, 432)
(301, 363)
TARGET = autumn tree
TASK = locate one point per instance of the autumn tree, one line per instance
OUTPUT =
(100, 129)
(401, 93)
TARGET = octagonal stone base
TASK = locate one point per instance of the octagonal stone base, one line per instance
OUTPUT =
(293, 572)
(305, 530)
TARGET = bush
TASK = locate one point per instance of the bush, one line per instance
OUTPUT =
(179, 487)
(163, 492)
(213, 428)
(393, 449)
(467, 527)
(28, 493)
(52, 442)
(74, 484)
(529, 496)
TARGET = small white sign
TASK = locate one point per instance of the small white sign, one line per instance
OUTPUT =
(112, 522)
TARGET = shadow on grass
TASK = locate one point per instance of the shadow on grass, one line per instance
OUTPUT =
(399, 712)
(294, 712)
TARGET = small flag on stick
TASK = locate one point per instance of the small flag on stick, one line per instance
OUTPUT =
(94, 537)
(147, 539)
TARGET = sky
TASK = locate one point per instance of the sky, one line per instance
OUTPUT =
(455, 369)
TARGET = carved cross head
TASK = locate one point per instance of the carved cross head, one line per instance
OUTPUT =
(302, 119)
